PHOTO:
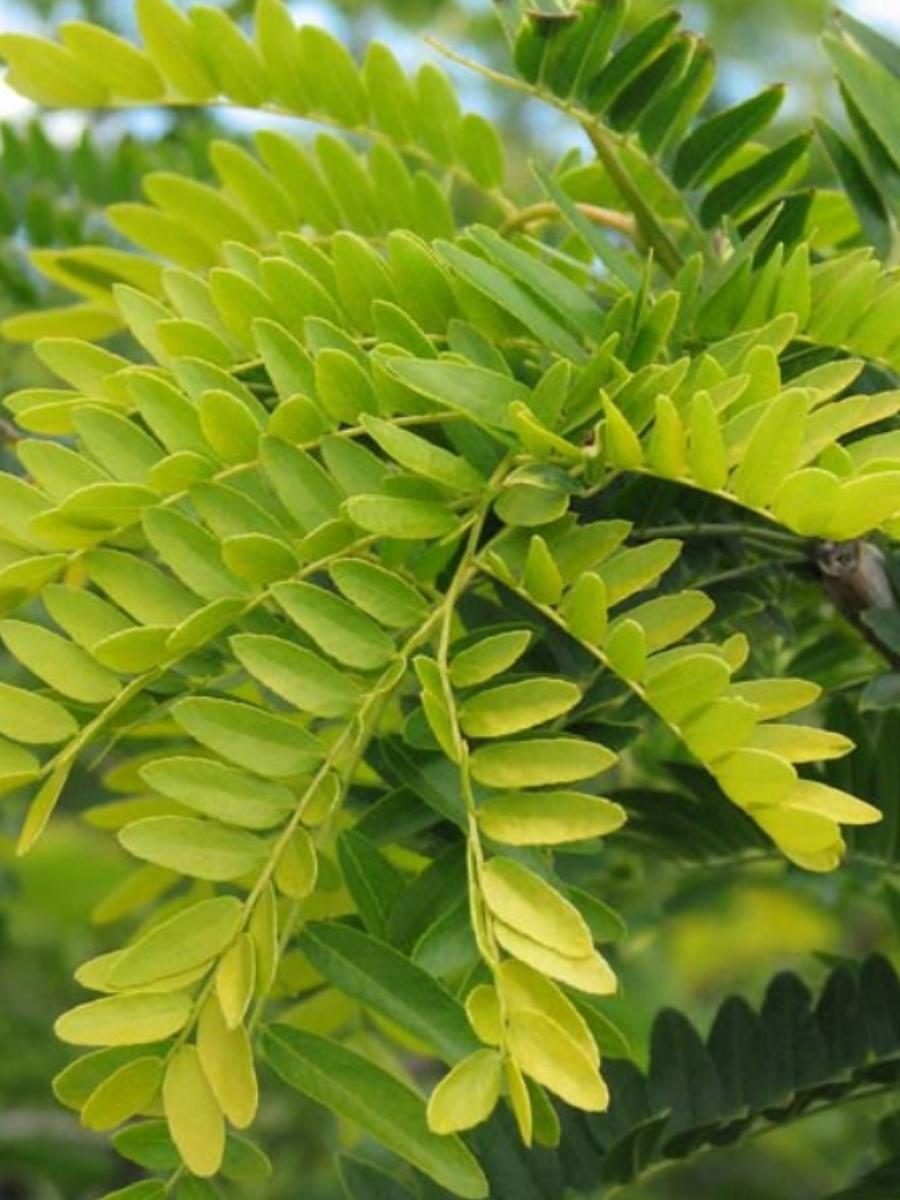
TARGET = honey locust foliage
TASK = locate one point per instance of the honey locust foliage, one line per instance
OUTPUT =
(332, 546)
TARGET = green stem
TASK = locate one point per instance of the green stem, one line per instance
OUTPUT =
(362, 726)
(787, 540)
(482, 928)
(747, 572)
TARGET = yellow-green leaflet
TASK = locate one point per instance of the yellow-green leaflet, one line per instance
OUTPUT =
(589, 973)
(336, 626)
(773, 449)
(35, 720)
(468, 1094)
(258, 557)
(585, 609)
(720, 728)
(173, 46)
(519, 1100)
(236, 979)
(488, 657)
(133, 650)
(622, 444)
(423, 457)
(132, 1020)
(260, 741)
(95, 974)
(810, 796)
(747, 775)
(201, 849)
(227, 1062)
(513, 707)
(539, 762)
(409, 520)
(687, 685)
(548, 1055)
(50, 73)
(626, 649)
(17, 766)
(184, 941)
(801, 743)
(66, 667)
(801, 835)
(218, 791)
(193, 1113)
(299, 676)
(380, 593)
(526, 990)
(774, 698)
(295, 873)
(483, 1011)
(630, 571)
(263, 929)
(41, 808)
(668, 619)
(542, 580)
(548, 818)
(126, 1092)
(528, 903)
(76, 1083)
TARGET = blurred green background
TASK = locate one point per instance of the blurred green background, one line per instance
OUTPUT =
(695, 935)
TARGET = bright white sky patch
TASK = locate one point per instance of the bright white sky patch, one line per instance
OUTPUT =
(885, 12)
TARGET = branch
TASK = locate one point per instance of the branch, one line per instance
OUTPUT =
(610, 218)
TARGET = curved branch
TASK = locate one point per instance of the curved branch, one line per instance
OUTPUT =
(610, 218)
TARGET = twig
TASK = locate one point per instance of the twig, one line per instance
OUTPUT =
(547, 211)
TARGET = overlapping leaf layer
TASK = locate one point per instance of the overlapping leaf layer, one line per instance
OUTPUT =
(321, 549)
